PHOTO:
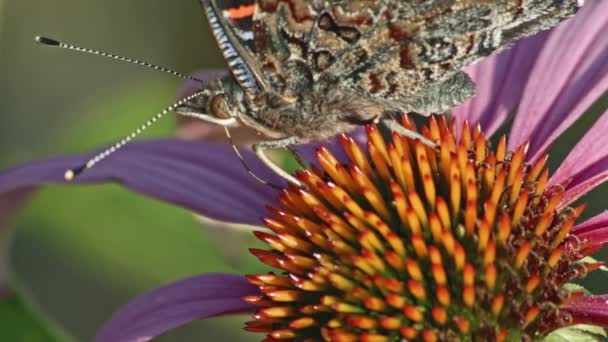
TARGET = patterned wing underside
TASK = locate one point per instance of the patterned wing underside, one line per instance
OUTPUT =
(391, 50)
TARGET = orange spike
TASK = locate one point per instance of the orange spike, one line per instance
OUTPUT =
(522, 254)
(429, 189)
(412, 220)
(468, 275)
(468, 296)
(489, 254)
(470, 217)
(380, 162)
(497, 303)
(555, 256)
(276, 312)
(396, 243)
(429, 335)
(372, 337)
(448, 241)
(438, 274)
(515, 166)
(465, 137)
(459, 256)
(483, 234)
(502, 335)
(532, 314)
(355, 154)
(416, 289)
(394, 260)
(532, 283)
(516, 186)
(422, 158)
(335, 169)
(489, 212)
(563, 232)
(444, 213)
(443, 295)
(520, 207)
(434, 132)
(395, 301)
(480, 148)
(390, 323)
(397, 165)
(455, 188)
(490, 275)
(399, 201)
(490, 171)
(419, 245)
(543, 224)
(302, 323)
(540, 185)
(445, 155)
(375, 137)
(435, 227)
(409, 333)
(413, 313)
(362, 322)
(537, 169)
(501, 149)
(418, 206)
(413, 269)
(504, 227)
(375, 199)
(498, 188)
(462, 323)
(435, 255)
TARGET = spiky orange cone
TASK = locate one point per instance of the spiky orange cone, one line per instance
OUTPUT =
(406, 241)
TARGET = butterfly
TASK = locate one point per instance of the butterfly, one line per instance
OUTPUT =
(303, 71)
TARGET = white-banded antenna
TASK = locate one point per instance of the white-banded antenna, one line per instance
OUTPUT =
(56, 43)
(71, 173)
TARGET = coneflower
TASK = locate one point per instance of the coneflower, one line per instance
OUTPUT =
(391, 239)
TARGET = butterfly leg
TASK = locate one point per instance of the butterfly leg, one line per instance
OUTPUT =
(261, 148)
(408, 133)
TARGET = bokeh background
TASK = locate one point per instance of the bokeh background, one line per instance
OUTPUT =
(79, 253)
(82, 252)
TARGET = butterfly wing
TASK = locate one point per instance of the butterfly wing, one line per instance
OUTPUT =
(239, 15)
(399, 52)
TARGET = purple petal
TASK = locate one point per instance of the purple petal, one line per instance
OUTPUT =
(592, 235)
(590, 310)
(176, 304)
(586, 166)
(596, 222)
(202, 176)
(500, 81)
(569, 75)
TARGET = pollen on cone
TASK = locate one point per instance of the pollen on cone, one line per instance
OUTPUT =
(404, 240)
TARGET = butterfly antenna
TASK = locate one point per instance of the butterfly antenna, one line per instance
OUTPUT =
(56, 43)
(242, 160)
(72, 173)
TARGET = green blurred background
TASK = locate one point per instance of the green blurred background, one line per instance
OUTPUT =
(79, 253)
(82, 252)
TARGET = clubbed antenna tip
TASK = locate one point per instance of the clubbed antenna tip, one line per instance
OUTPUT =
(47, 41)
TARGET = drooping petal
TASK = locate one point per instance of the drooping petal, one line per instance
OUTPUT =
(590, 310)
(586, 166)
(596, 222)
(176, 304)
(499, 82)
(569, 75)
(592, 235)
(202, 176)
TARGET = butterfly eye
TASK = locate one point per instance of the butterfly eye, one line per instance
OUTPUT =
(218, 107)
